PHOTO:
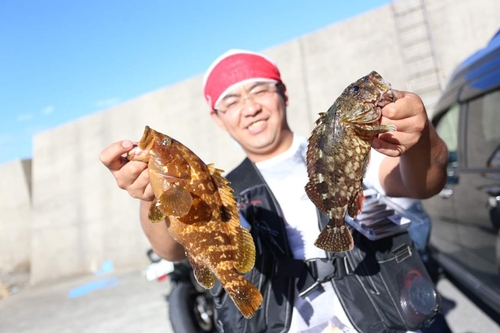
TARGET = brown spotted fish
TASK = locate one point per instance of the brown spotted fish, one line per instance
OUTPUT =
(338, 153)
(201, 214)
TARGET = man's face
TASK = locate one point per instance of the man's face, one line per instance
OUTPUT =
(254, 114)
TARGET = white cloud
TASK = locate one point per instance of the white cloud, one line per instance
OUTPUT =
(25, 117)
(48, 110)
(107, 103)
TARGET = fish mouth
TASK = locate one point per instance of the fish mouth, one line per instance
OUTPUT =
(137, 154)
(384, 88)
(385, 98)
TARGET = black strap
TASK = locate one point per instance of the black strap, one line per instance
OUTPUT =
(312, 273)
(243, 177)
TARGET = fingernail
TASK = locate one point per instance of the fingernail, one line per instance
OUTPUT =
(127, 144)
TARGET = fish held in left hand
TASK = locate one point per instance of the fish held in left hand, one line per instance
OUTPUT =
(201, 214)
(338, 154)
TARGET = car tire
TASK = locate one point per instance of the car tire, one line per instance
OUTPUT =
(183, 309)
(498, 251)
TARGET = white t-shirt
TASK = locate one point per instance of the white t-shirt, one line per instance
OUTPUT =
(286, 175)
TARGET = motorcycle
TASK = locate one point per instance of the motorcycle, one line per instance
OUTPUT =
(190, 306)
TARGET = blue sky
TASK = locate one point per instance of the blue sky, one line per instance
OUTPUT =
(62, 60)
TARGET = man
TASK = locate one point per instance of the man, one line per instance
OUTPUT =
(248, 99)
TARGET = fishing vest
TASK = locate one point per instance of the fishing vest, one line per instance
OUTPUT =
(358, 277)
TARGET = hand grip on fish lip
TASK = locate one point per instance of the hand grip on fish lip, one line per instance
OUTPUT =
(338, 154)
(203, 216)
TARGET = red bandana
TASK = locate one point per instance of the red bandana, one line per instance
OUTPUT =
(235, 67)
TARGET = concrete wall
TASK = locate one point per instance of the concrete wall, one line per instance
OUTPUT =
(15, 217)
(81, 218)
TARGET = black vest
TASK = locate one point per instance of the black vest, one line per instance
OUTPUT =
(260, 209)
(366, 279)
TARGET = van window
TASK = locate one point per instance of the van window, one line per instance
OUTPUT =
(447, 129)
(483, 132)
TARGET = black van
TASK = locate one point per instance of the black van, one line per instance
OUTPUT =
(465, 237)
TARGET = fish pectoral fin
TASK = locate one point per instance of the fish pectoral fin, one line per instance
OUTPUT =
(176, 201)
(155, 214)
(245, 256)
(202, 273)
(371, 131)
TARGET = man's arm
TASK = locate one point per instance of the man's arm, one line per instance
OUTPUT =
(417, 158)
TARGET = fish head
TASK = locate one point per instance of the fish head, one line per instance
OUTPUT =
(152, 144)
(166, 163)
(366, 96)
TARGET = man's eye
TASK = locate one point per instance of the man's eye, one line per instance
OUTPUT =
(259, 92)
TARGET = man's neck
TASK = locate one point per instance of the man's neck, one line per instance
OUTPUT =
(286, 143)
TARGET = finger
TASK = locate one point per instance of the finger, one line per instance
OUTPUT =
(141, 188)
(406, 105)
(127, 175)
(112, 157)
(388, 148)
(398, 94)
(142, 182)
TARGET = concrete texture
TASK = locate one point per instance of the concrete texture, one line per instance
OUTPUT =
(15, 219)
(129, 304)
(79, 217)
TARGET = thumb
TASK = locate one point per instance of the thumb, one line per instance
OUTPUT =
(112, 157)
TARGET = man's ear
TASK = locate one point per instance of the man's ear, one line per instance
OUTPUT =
(284, 93)
(217, 120)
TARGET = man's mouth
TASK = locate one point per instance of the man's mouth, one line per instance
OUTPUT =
(255, 124)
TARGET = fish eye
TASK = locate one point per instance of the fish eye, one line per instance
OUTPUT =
(355, 88)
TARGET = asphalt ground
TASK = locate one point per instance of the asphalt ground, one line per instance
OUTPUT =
(124, 301)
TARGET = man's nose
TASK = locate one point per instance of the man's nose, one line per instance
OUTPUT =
(250, 106)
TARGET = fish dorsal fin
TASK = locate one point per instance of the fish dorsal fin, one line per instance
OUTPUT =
(245, 256)
(314, 152)
(321, 118)
(225, 191)
(202, 273)
(245, 253)
(176, 201)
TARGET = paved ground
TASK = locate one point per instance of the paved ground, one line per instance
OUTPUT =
(122, 301)
(125, 302)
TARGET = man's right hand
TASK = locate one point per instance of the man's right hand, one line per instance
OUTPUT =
(131, 176)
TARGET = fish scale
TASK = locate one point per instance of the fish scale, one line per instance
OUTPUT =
(338, 154)
(201, 214)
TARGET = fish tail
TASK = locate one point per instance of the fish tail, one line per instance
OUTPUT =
(244, 294)
(335, 237)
